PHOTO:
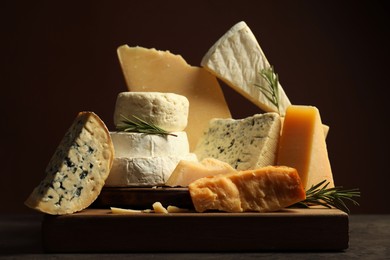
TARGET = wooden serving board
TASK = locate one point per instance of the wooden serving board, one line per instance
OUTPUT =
(98, 230)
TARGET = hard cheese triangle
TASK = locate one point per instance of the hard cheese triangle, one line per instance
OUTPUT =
(302, 145)
(161, 71)
(237, 59)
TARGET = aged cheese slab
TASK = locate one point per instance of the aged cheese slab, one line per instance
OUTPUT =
(288, 229)
(152, 70)
(302, 145)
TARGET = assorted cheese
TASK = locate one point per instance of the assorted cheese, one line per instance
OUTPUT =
(189, 171)
(168, 111)
(261, 163)
(302, 145)
(147, 171)
(78, 169)
(150, 70)
(265, 189)
(245, 144)
(237, 59)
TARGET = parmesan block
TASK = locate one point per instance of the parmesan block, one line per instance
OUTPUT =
(265, 189)
(147, 171)
(245, 144)
(189, 171)
(149, 145)
(237, 59)
(168, 111)
(151, 70)
(303, 147)
(78, 169)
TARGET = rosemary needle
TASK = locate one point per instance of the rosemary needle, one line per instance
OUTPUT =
(329, 197)
(271, 91)
(140, 126)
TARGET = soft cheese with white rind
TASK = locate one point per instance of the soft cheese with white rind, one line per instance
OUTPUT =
(149, 145)
(78, 169)
(237, 59)
(245, 144)
(168, 111)
(148, 171)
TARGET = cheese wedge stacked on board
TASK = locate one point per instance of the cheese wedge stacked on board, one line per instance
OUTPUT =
(148, 159)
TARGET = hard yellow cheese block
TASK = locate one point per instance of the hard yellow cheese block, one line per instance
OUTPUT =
(151, 70)
(302, 145)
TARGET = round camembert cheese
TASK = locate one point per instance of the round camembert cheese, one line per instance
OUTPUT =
(168, 111)
(149, 145)
(148, 171)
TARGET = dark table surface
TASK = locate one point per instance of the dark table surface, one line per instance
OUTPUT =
(369, 238)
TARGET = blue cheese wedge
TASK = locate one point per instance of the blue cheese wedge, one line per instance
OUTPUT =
(78, 169)
(237, 59)
(245, 144)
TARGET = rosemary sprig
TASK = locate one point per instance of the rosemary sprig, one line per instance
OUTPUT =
(271, 91)
(329, 197)
(140, 126)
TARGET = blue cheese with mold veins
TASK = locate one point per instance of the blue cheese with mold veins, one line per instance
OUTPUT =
(78, 169)
(245, 144)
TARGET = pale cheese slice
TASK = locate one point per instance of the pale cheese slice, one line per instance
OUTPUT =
(189, 171)
(161, 71)
(302, 145)
(237, 59)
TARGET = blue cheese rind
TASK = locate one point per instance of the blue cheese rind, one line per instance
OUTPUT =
(77, 171)
(245, 144)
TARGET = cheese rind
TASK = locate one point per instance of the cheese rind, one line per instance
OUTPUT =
(247, 143)
(149, 145)
(237, 59)
(78, 169)
(151, 70)
(302, 145)
(265, 189)
(189, 171)
(168, 111)
(147, 171)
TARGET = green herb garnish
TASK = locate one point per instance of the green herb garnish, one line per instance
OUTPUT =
(140, 126)
(331, 197)
(271, 91)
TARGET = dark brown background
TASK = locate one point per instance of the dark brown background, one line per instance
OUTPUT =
(59, 58)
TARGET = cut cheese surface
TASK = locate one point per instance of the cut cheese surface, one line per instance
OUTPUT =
(265, 189)
(245, 144)
(78, 169)
(237, 59)
(189, 171)
(149, 145)
(161, 71)
(302, 145)
(168, 111)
